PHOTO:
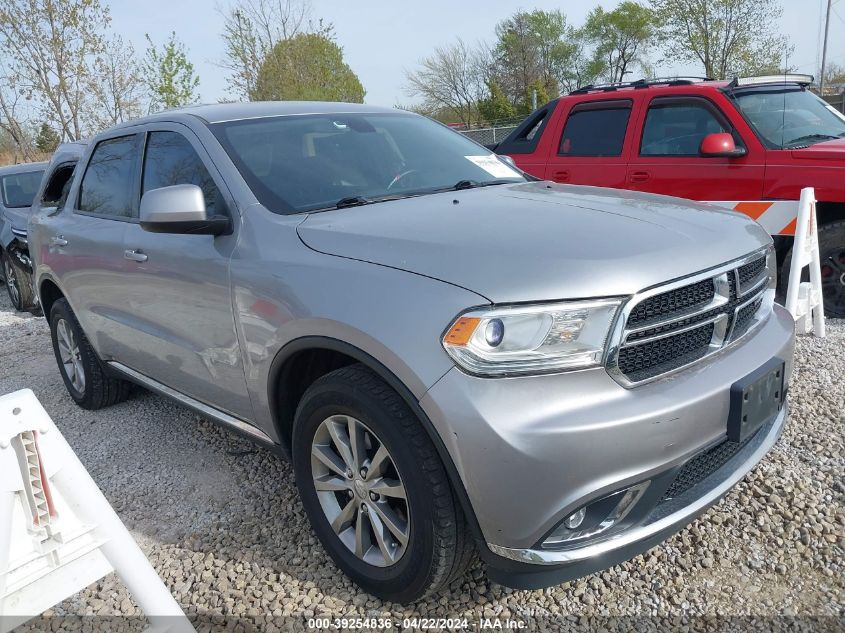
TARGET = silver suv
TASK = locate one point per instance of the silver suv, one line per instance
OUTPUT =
(455, 358)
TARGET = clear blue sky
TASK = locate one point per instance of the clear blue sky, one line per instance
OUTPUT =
(382, 38)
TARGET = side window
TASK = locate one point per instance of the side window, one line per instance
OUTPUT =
(676, 129)
(170, 160)
(55, 193)
(108, 185)
(596, 129)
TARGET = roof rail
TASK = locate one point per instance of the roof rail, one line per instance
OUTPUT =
(639, 83)
(804, 80)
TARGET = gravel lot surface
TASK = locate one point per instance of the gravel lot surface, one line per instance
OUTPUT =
(221, 521)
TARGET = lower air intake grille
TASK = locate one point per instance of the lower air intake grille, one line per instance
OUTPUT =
(702, 466)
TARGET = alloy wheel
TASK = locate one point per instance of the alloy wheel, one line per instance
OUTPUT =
(70, 355)
(360, 490)
(11, 282)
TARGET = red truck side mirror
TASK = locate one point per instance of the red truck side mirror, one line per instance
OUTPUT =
(720, 144)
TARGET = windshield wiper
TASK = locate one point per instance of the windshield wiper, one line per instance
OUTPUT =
(810, 137)
(472, 184)
(351, 201)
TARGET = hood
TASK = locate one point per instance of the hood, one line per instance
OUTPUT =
(17, 218)
(828, 150)
(538, 241)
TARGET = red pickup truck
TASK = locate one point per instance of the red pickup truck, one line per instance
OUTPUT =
(750, 144)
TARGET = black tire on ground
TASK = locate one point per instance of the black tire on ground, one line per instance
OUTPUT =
(440, 547)
(98, 389)
(18, 284)
(832, 259)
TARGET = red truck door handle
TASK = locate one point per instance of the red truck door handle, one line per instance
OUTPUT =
(561, 176)
(640, 176)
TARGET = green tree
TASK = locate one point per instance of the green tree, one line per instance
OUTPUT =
(47, 139)
(621, 38)
(727, 37)
(496, 106)
(47, 51)
(536, 46)
(169, 76)
(451, 80)
(534, 94)
(307, 67)
(252, 28)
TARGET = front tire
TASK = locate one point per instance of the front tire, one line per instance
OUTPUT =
(375, 489)
(83, 374)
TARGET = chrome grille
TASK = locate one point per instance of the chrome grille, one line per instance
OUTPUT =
(672, 326)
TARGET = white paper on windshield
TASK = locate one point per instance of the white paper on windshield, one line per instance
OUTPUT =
(493, 166)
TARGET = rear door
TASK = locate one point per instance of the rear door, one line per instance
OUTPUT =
(84, 247)
(666, 158)
(184, 328)
(590, 147)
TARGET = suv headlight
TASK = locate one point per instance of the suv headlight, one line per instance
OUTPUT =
(530, 339)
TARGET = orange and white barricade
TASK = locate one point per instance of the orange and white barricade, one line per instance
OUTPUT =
(785, 217)
(58, 533)
(778, 217)
(804, 299)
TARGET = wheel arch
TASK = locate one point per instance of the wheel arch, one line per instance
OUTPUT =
(829, 212)
(48, 293)
(305, 359)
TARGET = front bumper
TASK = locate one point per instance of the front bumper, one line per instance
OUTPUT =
(532, 450)
(664, 520)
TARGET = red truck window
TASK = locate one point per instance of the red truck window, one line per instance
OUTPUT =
(596, 129)
(675, 127)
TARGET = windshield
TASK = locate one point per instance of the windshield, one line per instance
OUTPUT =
(19, 189)
(309, 162)
(788, 117)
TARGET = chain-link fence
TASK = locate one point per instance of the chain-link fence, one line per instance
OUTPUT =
(489, 135)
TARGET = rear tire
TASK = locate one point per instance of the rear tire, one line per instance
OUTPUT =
(84, 376)
(832, 260)
(18, 284)
(353, 402)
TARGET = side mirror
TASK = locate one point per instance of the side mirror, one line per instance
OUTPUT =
(720, 144)
(509, 160)
(179, 209)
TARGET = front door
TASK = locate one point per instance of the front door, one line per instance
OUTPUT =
(666, 159)
(185, 333)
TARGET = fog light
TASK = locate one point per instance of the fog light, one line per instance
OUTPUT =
(596, 517)
(575, 519)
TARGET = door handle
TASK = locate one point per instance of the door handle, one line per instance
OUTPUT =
(640, 176)
(561, 176)
(135, 255)
(58, 241)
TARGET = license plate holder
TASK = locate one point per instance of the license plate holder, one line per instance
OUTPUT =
(756, 399)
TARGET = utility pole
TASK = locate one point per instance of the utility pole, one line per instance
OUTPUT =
(824, 49)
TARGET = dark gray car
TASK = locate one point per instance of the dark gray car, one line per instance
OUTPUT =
(455, 358)
(18, 184)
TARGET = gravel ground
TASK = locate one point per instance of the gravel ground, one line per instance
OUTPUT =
(221, 522)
